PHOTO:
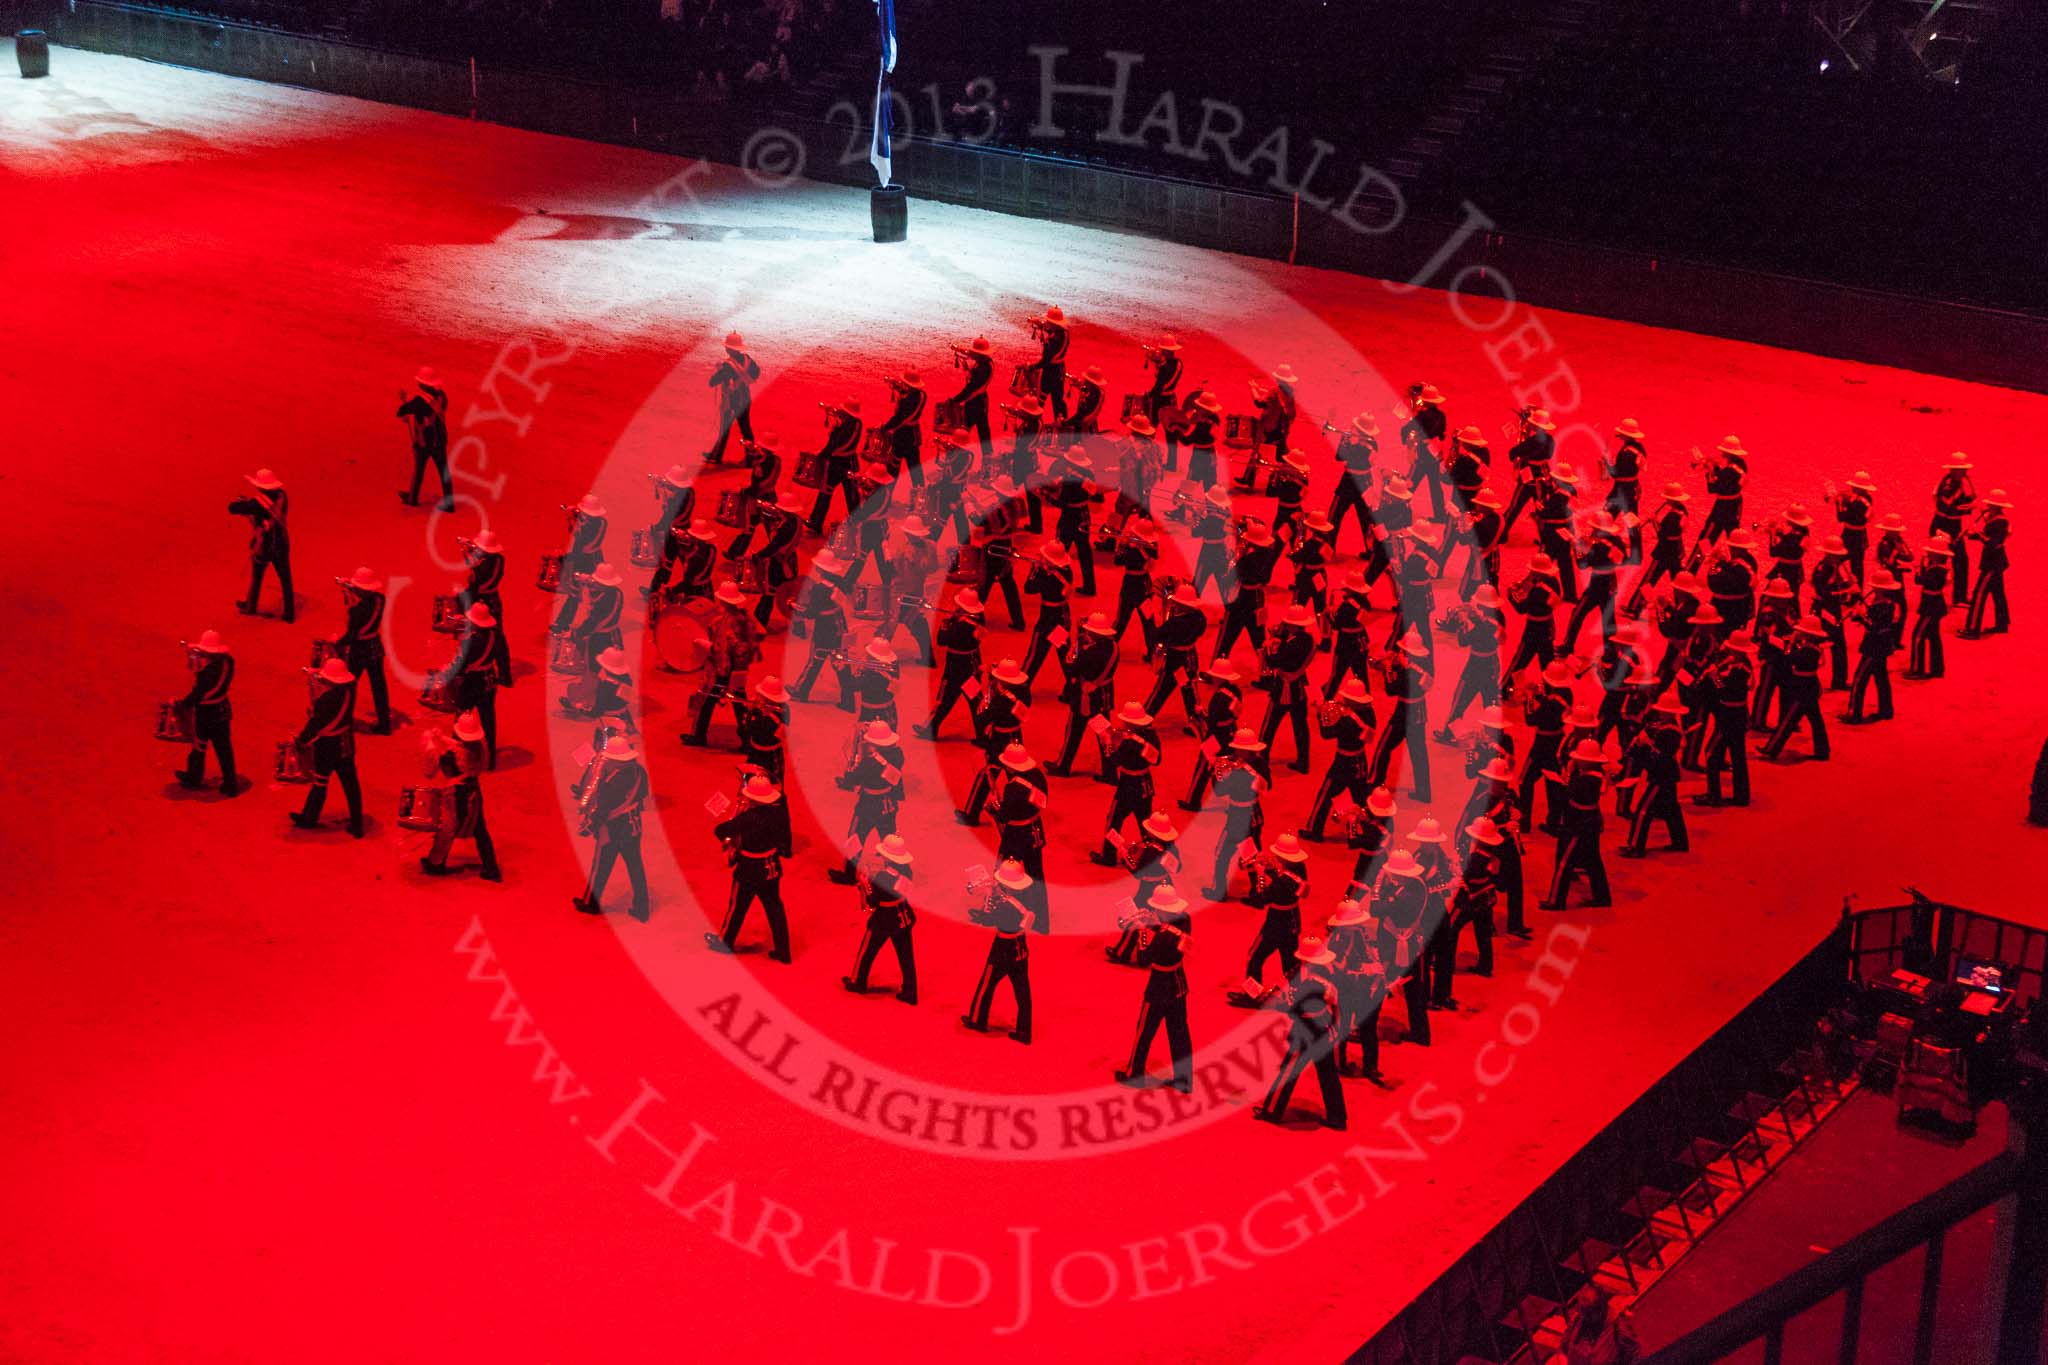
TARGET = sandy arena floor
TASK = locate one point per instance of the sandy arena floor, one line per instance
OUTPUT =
(275, 1095)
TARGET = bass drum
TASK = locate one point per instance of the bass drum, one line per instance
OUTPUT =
(682, 636)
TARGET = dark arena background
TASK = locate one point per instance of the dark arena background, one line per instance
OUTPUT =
(1159, 436)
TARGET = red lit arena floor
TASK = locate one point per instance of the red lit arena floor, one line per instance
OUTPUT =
(277, 1095)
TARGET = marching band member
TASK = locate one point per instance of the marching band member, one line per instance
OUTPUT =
(1357, 447)
(1992, 531)
(597, 627)
(361, 642)
(1422, 434)
(1772, 629)
(1369, 832)
(1087, 414)
(999, 551)
(1137, 472)
(763, 724)
(734, 645)
(270, 542)
(1535, 596)
(1027, 420)
(1892, 550)
(821, 611)
(1579, 790)
(774, 555)
(1493, 804)
(1667, 550)
(1211, 533)
(1005, 910)
(1050, 328)
(1414, 593)
(1160, 404)
(1529, 457)
(482, 665)
(1727, 682)
(484, 558)
(1439, 881)
(733, 379)
(1178, 639)
(1955, 499)
(1479, 626)
(909, 586)
(1625, 469)
(1137, 550)
(874, 774)
(614, 796)
(1310, 556)
(1476, 893)
(1240, 782)
(960, 637)
(1154, 861)
(689, 559)
(1218, 719)
(676, 497)
(1161, 948)
(1070, 493)
(1019, 813)
(1801, 687)
(1882, 626)
(1278, 880)
(1199, 435)
(1283, 677)
(1852, 512)
(874, 683)
(757, 838)
(1466, 469)
(885, 895)
(330, 732)
(1351, 648)
(1311, 1005)
(1351, 730)
(1835, 589)
(425, 413)
(1275, 407)
(587, 525)
(999, 714)
(867, 523)
(904, 431)
(946, 494)
(978, 359)
(1257, 556)
(1658, 799)
(1361, 980)
(213, 674)
(1931, 576)
(1731, 577)
(1726, 468)
(1130, 752)
(1600, 553)
(1625, 678)
(1051, 581)
(1407, 685)
(1786, 542)
(1553, 525)
(460, 758)
(1547, 711)
(1089, 689)
(838, 459)
(764, 468)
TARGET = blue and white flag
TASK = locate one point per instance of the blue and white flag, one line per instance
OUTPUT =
(878, 148)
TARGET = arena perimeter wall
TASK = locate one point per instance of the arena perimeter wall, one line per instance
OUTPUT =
(1915, 333)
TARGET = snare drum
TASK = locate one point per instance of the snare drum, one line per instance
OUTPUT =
(868, 601)
(1134, 406)
(875, 448)
(967, 567)
(749, 579)
(424, 807)
(1327, 716)
(176, 721)
(323, 650)
(569, 656)
(1240, 430)
(948, 414)
(810, 470)
(439, 695)
(682, 636)
(550, 579)
(448, 617)
(646, 554)
(735, 509)
(1024, 380)
(294, 763)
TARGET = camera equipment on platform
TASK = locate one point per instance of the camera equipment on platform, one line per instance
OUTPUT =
(176, 721)
(294, 762)
(425, 808)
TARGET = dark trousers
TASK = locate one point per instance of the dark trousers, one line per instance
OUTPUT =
(439, 455)
(717, 688)
(1871, 668)
(845, 489)
(1050, 619)
(728, 418)
(1578, 850)
(1538, 645)
(748, 887)
(1802, 702)
(475, 692)
(340, 765)
(283, 566)
(1350, 501)
(897, 937)
(1728, 750)
(1662, 565)
(368, 664)
(1926, 660)
(1295, 708)
(1181, 667)
(1347, 774)
(1350, 657)
(1655, 804)
(1358, 1020)
(951, 681)
(1211, 565)
(1001, 573)
(1599, 595)
(1130, 596)
(477, 829)
(1241, 617)
(1280, 933)
(1165, 1003)
(1308, 1045)
(1511, 879)
(1478, 681)
(1008, 961)
(1989, 595)
(617, 844)
(1444, 949)
(1408, 723)
(210, 726)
